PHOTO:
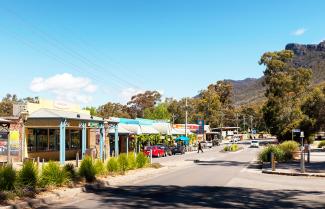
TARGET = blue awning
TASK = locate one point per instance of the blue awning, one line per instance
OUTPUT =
(182, 138)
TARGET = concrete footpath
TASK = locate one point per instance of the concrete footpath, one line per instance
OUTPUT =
(131, 177)
(316, 168)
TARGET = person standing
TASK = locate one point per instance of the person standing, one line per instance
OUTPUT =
(199, 148)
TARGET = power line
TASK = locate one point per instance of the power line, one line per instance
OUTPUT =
(61, 46)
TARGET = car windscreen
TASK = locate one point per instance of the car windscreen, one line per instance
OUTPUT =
(254, 142)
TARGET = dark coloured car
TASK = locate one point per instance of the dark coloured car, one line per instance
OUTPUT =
(178, 150)
(168, 150)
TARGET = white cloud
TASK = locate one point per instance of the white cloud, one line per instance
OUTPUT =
(65, 87)
(126, 94)
(299, 32)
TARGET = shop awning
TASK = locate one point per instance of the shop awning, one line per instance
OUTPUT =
(147, 129)
(182, 138)
(132, 128)
(121, 130)
(163, 128)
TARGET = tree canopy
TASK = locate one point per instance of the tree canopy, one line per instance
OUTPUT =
(286, 87)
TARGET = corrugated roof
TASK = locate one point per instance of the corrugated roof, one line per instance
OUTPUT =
(121, 130)
(133, 128)
(163, 128)
(148, 129)
(50, 114)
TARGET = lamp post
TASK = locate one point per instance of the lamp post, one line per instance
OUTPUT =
(24, 116)
(302, 155)
(106, 130)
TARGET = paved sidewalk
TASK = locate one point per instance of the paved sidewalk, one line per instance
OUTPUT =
(315, 168)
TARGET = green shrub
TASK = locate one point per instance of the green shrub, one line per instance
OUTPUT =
(321, 144)
(7, 178)
(70, 171)
(141, 160)
(28, 175)
(87, 169)
(265, 154)
(53, 175)
(123, 162)
(231, 148)
(112, 165)
(288, 147)
(132, 162)
(100, 167)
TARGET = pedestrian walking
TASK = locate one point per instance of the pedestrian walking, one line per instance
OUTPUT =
(199, 148)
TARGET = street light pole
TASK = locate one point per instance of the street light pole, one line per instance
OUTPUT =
(302, 155)
(186, 114)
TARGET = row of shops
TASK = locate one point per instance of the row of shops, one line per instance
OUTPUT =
(58, 131)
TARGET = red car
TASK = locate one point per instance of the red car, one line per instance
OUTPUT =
(157, 151)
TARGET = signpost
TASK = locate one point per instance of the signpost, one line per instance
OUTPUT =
(302, 157)
(294, 131)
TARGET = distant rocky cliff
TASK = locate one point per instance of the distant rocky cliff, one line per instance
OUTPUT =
(310, 56)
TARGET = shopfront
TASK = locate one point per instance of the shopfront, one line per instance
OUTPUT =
(4, 137)
(61, 135)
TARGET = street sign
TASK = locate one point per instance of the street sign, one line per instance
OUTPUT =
(201, 126)
(302, 134)
(296, 130)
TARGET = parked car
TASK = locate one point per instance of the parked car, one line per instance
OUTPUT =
(178, 150)
(255, 143)
(209, 144)
(157, 151)
(167, 149)
(234, 140)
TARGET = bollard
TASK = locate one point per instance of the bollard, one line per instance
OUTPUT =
(77, 159)
(272, 161)
(151, 156)
(302, 162)
(308, 156)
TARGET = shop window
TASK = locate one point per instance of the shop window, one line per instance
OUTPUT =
(75, 139)
(54, 140)
(42, 139)
(31, 140)
(67, 139)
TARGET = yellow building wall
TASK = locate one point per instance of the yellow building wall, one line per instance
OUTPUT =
(55, 105)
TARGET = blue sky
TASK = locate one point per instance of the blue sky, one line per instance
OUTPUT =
(92, 52)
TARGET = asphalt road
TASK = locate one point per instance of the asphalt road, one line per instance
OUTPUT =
(217, 180)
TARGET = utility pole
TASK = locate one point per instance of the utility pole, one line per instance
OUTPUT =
(221, 125)
(244, 123)
(186, 114)
(251, 117)
(237, 119)
(174, 118)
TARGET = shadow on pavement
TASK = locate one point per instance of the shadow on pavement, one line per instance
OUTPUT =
(198, 196)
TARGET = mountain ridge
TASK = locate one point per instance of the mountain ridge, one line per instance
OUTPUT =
(311, 56)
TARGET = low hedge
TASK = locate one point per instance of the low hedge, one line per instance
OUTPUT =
(87, 169)
(123, 162)
(7, 178)
(141, 160)
(265, 154)
(288, 147)
(28, 176)
(231, 148)
(54, 175)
